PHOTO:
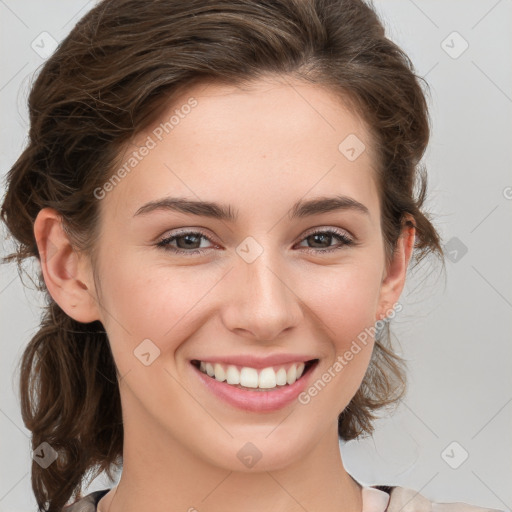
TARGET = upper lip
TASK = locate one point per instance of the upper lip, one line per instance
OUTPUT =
(258, 362)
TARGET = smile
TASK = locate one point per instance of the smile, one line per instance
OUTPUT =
(246, 377)
(249, 393)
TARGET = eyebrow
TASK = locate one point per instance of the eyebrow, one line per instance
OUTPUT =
(217, 211)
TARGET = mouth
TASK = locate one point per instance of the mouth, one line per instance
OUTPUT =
(252, 379)
(269, 389)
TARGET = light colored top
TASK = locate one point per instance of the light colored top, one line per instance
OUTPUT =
(404, 499)
(374, 500)
(400, 499)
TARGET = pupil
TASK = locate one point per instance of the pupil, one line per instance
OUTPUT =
(319, 235)
(187, 237)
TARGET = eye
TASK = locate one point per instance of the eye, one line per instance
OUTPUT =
(325, 236)
(185, 240)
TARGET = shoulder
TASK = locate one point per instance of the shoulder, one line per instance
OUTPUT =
(87, 503)
(404, 499)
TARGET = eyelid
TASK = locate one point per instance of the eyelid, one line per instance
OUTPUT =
(345, 239)
(198, 230)
(185, 231)
(340, 231)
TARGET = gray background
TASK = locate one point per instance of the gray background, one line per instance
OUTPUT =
(455, 335)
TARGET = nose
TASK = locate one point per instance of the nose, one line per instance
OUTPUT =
(261, 301)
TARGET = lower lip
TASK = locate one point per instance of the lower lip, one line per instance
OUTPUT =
(256, 401)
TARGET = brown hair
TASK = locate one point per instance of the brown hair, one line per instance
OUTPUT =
(100, 88)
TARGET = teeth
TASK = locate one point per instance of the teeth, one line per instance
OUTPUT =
(267, 378)
(291, 374)
(249, 377)
(232, 375)
(281, 377)
(209, 369)
(220, 374)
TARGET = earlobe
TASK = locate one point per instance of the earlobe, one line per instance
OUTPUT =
(65, 273)
(394, 276)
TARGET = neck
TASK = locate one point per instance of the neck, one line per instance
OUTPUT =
(162, 476)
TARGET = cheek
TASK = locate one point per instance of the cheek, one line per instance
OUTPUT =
(158, 303)
(344, 299)
(344, 302)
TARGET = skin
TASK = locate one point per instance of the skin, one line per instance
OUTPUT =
(259, 149)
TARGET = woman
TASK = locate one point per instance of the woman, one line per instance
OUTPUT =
(222, 198)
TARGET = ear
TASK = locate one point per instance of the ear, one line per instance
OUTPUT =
(67, 274)
(394, 275)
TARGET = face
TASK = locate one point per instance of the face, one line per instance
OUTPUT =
(279, 276)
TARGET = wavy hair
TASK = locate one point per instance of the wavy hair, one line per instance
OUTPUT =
(102, 86)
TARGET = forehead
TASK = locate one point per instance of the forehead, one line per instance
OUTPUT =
(271, 140)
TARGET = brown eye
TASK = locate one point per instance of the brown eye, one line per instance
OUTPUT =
(187, 243)
(321, 240)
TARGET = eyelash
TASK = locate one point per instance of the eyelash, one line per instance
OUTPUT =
(342, 237)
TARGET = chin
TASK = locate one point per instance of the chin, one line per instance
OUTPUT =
(263, 448)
